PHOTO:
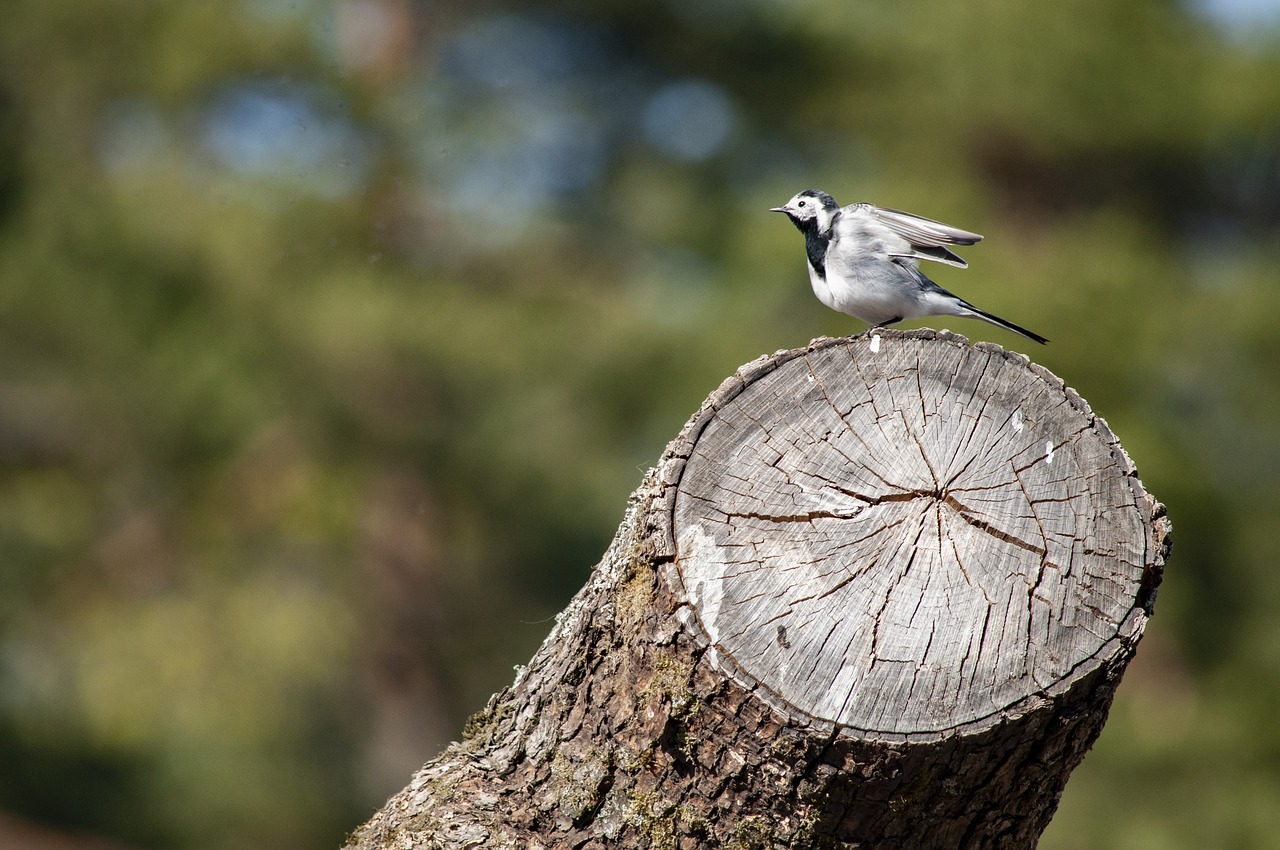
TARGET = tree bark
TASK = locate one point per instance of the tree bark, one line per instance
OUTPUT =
(878, 592)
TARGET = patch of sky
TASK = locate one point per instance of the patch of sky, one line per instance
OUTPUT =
(1241, 17)
(285, 131)
(532, 109)
(689, 119)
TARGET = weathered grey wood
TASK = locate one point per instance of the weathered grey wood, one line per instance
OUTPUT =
(910, 538)
(877, 593)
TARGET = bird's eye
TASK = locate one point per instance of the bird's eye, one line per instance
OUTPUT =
(802, 203)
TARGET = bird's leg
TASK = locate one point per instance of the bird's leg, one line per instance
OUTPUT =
(878, 325)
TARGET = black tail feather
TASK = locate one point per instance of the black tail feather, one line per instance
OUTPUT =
(1004, 323)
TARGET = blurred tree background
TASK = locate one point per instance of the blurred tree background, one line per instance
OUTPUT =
(335, 333)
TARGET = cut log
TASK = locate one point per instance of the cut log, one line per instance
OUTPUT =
(878, 593)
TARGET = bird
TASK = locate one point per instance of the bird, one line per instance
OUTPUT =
(864, 261)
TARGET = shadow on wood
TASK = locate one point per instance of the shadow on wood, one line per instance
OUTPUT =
(878, 592)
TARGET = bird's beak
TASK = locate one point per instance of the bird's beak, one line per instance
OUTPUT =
(778, 209)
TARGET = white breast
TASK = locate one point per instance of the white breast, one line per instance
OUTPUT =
(873, 291)
(863, 280)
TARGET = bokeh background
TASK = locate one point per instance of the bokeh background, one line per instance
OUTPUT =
(334, 335)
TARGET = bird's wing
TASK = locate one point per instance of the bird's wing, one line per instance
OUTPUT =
(928, 238)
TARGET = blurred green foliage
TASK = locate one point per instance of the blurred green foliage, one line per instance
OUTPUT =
(334, 334)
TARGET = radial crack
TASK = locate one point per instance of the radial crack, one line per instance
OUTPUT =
(984, 526)
(805, 517)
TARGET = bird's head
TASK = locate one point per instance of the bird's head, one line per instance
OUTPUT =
(812, 209)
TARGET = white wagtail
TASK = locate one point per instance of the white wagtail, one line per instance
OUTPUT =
(863, 261)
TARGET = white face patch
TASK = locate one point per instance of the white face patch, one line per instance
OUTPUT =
(805, 207)
(825, 217)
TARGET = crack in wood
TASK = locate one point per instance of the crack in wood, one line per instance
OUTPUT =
(808, 517)
(914, 550)
(842, 416)
(903, 495)
(982, 525)
(955, 549)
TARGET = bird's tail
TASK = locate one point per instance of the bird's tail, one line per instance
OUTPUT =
(979, 313)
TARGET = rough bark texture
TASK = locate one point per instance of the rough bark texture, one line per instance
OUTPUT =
(878, 593)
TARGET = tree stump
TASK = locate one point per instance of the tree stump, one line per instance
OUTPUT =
(878, 593)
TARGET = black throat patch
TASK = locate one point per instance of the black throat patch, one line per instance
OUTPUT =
(815, 245)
